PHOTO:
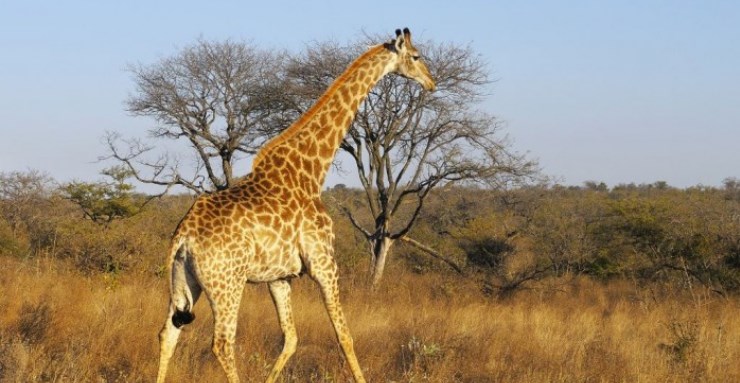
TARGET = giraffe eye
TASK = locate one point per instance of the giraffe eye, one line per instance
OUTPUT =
(415, 58)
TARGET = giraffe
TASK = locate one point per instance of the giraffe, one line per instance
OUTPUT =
(272, 226)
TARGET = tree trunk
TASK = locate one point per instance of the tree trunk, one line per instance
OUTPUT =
(380, 249)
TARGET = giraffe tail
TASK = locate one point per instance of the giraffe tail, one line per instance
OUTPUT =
(184, 288)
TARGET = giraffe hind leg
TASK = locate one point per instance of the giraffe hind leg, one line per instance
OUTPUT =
(225, 309)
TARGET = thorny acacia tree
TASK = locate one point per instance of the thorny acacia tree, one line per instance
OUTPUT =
(405, 142)
(224, 99)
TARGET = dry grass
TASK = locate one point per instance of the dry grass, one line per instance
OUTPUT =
(57, 325)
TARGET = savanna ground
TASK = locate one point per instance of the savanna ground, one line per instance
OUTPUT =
(58, 325)
(81, 302)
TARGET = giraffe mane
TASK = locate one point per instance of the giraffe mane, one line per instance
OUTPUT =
(294, 128)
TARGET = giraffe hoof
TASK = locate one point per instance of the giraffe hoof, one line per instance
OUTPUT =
(181, 318)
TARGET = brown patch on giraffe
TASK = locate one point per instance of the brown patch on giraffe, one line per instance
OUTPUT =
(294, 157)
(289, 177)
(285, 215)
(281, 151)
(338, 119)
(326, 150)
(274, 175)
(262, 209)
(307, 166)
(284, 194)
(311, 149)
(317, 166)
(344, 92)
(278, 161)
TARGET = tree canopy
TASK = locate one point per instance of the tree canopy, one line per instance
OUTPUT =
(224, 99)
(405, 142)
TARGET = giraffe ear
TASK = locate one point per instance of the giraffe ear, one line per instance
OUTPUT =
(398, 42)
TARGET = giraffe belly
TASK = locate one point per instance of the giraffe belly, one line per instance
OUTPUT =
(273, 264)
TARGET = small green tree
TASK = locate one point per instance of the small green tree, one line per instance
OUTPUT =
(103, 202)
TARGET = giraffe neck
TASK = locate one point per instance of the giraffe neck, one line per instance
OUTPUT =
(302, 154)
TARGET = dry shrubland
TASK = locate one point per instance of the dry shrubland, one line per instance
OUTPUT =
(59, 325)
(560, 285)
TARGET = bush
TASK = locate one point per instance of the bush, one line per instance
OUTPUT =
(10, 244)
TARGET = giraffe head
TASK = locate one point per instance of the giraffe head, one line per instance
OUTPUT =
(408, 62)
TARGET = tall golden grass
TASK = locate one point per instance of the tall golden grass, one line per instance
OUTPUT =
(58, 325)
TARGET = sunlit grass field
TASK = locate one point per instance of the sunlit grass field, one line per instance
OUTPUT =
(59, 325)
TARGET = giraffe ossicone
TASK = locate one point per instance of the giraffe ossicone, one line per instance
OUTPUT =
(272, 225)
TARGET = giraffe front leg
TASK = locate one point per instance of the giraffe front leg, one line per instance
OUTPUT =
(280, 291)
(327, 280)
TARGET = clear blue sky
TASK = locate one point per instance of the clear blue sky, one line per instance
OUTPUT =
(614, 91)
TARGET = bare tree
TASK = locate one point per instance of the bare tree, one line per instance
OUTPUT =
(222, 98)
(405, 142)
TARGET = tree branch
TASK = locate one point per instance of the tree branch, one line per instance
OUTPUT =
(356, 224)
(431, 252)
